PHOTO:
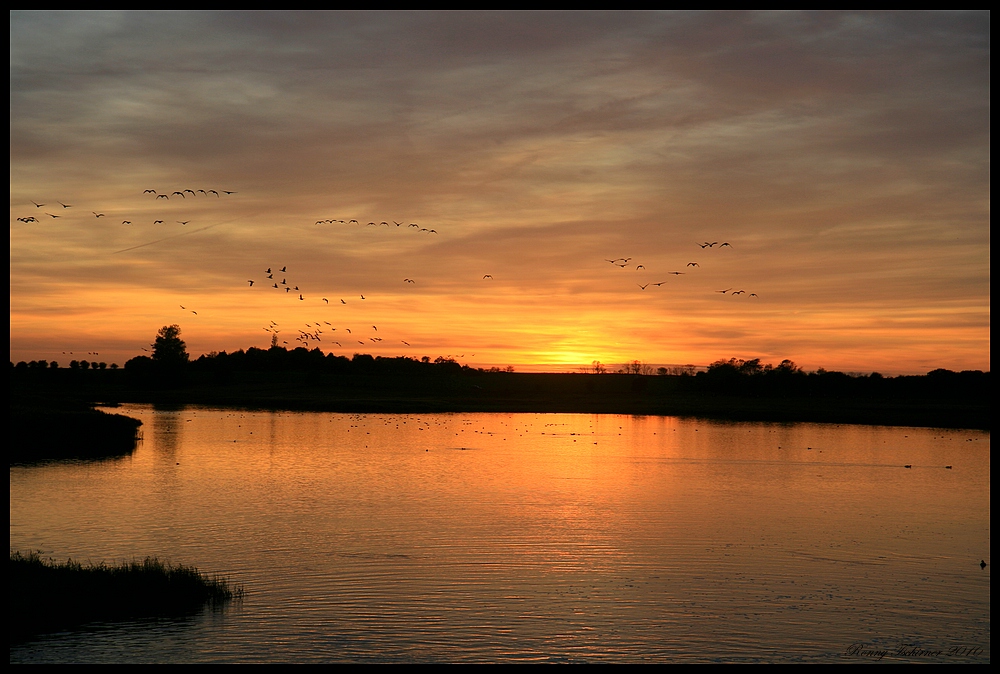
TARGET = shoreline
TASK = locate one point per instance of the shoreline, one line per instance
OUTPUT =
(913, 401)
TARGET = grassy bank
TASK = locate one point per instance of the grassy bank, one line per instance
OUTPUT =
(49, 597)
(44, 428)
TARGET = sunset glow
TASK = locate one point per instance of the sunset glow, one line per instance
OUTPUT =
(567, 163)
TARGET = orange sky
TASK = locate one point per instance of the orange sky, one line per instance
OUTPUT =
(845, 157)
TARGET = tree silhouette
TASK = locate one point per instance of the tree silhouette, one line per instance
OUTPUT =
(169, 348)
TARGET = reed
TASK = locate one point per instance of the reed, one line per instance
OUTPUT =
(46, 596)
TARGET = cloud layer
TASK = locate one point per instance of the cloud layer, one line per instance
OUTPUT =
(844, 156)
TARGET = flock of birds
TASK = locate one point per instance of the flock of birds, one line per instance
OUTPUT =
(156, 196)
(355, 221)
(276, 279)
(314, 331)
(626, 263)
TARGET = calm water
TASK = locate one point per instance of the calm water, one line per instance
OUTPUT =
(530, 537)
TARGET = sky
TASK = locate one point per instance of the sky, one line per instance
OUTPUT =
(542, 177)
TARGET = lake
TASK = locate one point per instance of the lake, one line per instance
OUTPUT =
(531, 538)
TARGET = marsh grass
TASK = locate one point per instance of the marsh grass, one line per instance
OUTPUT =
(46, 596)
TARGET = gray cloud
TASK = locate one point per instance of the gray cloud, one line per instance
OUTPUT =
(844, 152)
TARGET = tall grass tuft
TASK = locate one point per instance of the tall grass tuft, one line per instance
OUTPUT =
(46, 596)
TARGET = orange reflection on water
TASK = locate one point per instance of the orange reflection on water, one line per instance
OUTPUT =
(531, 536)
